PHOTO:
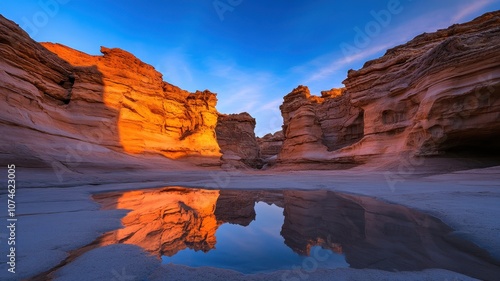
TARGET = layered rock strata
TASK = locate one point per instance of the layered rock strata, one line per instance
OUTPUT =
(64, 106)
(313, 125)
(152, 115)
(270, 145)
(236, 137)
(437, 94)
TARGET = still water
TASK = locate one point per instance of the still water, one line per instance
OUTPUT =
(258, 247)
(259, 231)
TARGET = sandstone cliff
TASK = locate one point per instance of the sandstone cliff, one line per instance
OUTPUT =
(270, 146)
(64, 108)
(152, 115)
(315, 125)
(437, 94)
(236, 137)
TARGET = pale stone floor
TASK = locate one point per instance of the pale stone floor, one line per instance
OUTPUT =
(55, 217)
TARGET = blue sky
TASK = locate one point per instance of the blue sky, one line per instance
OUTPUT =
(250, 52)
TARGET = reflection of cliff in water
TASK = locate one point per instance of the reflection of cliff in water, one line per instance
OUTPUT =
(164, 221)
(371, 233)
(167, 220)
(378, 235)
(237, 207)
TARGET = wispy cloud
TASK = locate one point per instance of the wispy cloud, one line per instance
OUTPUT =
(249, 90)
(241, 99)
(272, 105)
(238, 89)
(241, 87)
(269, 117)
(393, 36)
(470, 9)
(241, 91)
(260, 91)
(344, 62)
(176, 69)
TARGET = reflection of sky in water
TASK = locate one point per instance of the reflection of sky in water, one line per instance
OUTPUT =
(259, 247)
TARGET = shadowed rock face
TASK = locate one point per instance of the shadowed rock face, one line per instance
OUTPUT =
(370, 233)
(315, 125)
(270, 145)
(38, 120)
(437, 94)
(236, 137)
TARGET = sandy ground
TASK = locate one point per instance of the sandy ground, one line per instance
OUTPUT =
(57, 216)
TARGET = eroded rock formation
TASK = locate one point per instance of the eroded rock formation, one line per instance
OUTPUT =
(152, 115)
(270, 146)
(236, 137)
(438, 93)
(66, 108)
(315, 125)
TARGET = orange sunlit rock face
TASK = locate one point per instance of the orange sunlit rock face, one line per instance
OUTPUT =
(152, 115)
(165, 221)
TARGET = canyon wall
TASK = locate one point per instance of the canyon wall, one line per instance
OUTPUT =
(314, 125)
(151, 115)
(65, 108)
(270, 146)
(236, 137)
(437, 94)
